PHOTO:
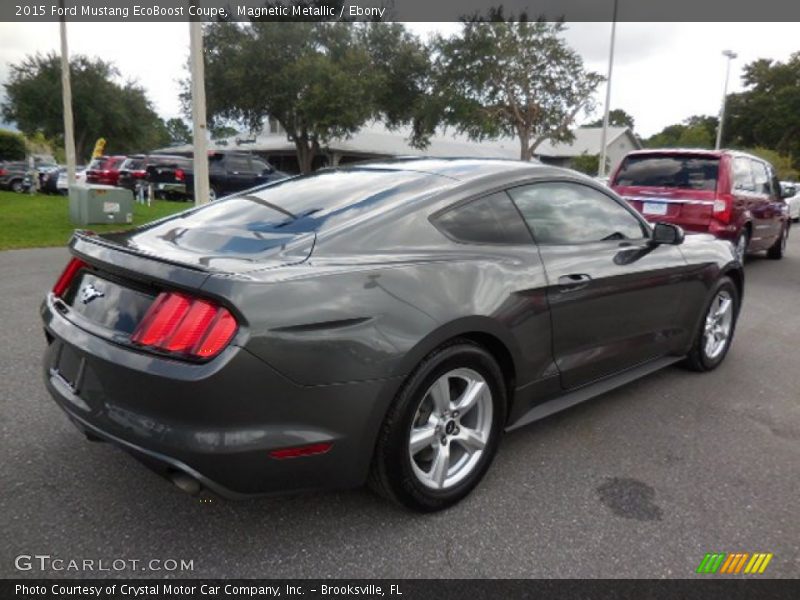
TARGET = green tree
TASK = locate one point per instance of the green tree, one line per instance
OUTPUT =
(319, 80)
(588, 163)
(697, 131)
(616, 118)
(767, 113)
(178, 131)
(516, 78)
(220, 132)
(102, 104)
(12, 145)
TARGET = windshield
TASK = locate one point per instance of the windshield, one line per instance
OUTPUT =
(132, 164)
(684, 171)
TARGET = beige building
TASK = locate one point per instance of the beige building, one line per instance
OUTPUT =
(374, 141)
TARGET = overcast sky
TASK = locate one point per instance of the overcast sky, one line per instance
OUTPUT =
(663, 72)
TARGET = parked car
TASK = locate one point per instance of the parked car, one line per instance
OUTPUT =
(63, 185)
(134, 171)
(168, 177)
(791, 195)
(385, 321)
(104, 170)
(228, 172)
(12, 176)
(49, 183)
(732, 195)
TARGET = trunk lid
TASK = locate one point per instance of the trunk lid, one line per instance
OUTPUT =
(124, 272)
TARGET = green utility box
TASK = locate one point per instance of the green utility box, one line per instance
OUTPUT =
(89, 204)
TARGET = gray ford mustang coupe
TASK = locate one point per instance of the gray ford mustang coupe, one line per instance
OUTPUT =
(384, 323)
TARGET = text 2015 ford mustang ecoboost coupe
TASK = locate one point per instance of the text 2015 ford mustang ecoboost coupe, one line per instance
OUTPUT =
(381, 323)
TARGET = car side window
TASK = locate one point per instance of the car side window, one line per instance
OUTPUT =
(760, 177)
(743, 175)
(259, 166)
(239, 163)
(569, 213)
(488, 220)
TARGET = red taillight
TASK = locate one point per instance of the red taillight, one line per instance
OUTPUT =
(179, 174)
(3, 172)
(723, 207)
(299, 451)
(179, 324)
(140, 174)
(72, 268)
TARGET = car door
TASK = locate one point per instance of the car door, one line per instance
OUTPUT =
(614, 298)
(239, 173)
(762, 208)
(261, 171)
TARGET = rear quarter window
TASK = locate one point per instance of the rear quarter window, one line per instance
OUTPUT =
(489, 220)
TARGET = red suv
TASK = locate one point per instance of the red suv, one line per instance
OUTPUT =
(104, 170)
(732, 195)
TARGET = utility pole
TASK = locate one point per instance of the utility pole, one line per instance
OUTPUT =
(601, 167)
(66, 93)
(730, 55)
(199, 128)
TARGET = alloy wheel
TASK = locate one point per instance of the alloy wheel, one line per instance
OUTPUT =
(718, 326)
(451, 429)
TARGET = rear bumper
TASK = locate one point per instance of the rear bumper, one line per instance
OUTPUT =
(171, 188)
(218, 421)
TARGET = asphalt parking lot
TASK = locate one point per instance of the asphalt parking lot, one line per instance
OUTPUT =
(640, 482)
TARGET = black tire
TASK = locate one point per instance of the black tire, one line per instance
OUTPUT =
(778, 249)
(17, 186)
(698, 359)
(392, 475)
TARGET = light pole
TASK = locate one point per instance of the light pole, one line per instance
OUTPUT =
(66, 96)
(730, 55)
(201, 186)
(601, 167)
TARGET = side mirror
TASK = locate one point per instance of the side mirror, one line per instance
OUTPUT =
(667, 233)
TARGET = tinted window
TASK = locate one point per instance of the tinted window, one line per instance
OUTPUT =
(97, 163)
(568, 213)
(260, 166)
(742, 174)
(674, 171)
(133, 164)
(238, 163)
(489, 220)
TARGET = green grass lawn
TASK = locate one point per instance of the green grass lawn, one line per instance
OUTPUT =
(35, 221)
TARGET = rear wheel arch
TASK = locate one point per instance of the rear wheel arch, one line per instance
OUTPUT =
(482, 331)
(737, 276)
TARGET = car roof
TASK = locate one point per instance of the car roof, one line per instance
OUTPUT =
(459, 169)
(694, 151)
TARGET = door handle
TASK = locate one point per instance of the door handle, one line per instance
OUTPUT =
(574, 281)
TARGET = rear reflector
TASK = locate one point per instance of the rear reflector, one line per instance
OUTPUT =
(63, 282)
(299, 451)
(179, 324)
